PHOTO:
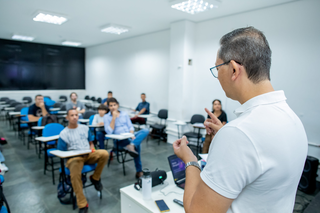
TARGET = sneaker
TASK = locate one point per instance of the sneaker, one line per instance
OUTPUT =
(3, 167)
(84, 210)
(97, 183)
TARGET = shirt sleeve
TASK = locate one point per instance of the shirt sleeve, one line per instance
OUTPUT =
(137, 108)
(81, 105)
(147, 106)
(129, 123)
(107, 127)
(30, 110)
(62, 145)
(68, 106)
(232, 163)
(90, 135)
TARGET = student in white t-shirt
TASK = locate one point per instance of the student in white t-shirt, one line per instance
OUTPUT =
(98, 120)
(255, 161)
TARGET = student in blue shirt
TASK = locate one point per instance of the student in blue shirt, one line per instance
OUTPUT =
(143, 108)
(118, 122)
(104, 101)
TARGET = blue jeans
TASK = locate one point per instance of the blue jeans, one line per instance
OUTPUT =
(140, 135)
(100, 138)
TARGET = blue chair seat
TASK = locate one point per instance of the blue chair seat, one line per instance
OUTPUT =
(86, 168)
(24, 125)
(49, 154)
(51, 143)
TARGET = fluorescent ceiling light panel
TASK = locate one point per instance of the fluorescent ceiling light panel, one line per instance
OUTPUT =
(49, 18)
(115, 29)
(22, 37)
(194, 6)
(71, 43)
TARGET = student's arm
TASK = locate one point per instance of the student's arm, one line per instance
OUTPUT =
(90, 139)
(33, 118)
(107, 126)
(95, 119)
(62, 145)
(43, 109)
(142, 111)
(82, 108)
(82, 111)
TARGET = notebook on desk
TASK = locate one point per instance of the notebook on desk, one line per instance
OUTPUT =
(177, 167)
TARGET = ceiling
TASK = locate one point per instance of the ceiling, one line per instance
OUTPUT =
(86, 17)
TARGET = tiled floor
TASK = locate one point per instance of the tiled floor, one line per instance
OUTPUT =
(27, 189)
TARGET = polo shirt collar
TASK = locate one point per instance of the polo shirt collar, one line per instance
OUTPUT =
(264, 99)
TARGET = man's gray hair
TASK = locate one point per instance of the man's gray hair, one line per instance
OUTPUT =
(249, 47)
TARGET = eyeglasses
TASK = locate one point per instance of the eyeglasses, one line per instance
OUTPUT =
(214, 69)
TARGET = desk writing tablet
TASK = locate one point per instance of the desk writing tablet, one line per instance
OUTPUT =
(47, 139)
(120, 137)
(71, 153)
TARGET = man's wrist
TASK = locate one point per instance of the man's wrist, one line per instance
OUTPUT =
(194, 164)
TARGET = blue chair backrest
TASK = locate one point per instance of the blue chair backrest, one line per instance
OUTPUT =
(24, 111)
(48, 101)
(91, 119)
(40, 121)
(52, 129)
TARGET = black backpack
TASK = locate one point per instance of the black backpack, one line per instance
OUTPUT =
(48, 119)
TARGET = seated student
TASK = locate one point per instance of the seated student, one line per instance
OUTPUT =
(76, 137)
(222, 116)
(38, 109)
(105, 101)
(143, 108)
(98, 120)
(74, 104)
(118, 122)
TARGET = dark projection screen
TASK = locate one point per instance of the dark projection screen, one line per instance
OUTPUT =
(32, 66)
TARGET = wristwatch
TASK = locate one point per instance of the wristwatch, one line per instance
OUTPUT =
(193, 163)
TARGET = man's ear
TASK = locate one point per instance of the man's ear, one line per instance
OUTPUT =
(236, 70)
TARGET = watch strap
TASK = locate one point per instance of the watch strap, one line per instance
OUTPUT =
(193, 163)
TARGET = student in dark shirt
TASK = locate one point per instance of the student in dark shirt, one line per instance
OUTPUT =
(222, 116)
(38, 109)
(105, 101)
(143, 108)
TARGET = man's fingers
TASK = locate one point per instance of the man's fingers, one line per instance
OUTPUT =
(212, 116)
(184, 140)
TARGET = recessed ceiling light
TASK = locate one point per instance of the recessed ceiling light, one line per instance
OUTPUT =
(115, 29)
(194, 6)
(71, 43)
(50, 18)
(22, 37)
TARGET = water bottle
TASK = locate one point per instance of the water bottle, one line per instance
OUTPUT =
(146, 184)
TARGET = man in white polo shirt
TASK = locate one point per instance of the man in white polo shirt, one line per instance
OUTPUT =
(255, 161)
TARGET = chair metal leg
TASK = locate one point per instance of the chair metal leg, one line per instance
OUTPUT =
(52, 170)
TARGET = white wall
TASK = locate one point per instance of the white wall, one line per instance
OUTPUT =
(141, 64)
(54, 94)
(293, 34)
(130, 67)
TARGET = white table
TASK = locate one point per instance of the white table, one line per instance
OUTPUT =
(179, 123)
(37, 127)
(54, 109)
(45, 140)
(120, 137)
(62, 100)
(2, 102)
(132, 200)
(86, 101)
(9, 108)
(68, 154)
(62, 112)
(14, 113)
(83, 120)
(25, 101)
(141, 116)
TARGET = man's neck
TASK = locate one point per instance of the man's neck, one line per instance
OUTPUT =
(253, 90)
(75, 102)
(72, 126)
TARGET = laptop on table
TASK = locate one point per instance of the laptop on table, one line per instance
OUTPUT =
(177, 167)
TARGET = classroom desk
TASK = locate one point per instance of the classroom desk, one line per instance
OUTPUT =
(198, 126)
(121, 136)
(132, 200)
(9, 108)
(14, 113)
(179, 123)
(62, 112)
(37, 127)
(45, 140)
(86, 101)
(62, 100)
(141, 116)
(84, 121)
(2, 102)
(54, 109)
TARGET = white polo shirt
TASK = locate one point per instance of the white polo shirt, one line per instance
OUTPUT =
(258, 158)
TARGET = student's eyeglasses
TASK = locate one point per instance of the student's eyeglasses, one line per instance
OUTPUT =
(214, 69)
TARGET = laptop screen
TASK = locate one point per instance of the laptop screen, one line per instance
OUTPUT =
(177, 167)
